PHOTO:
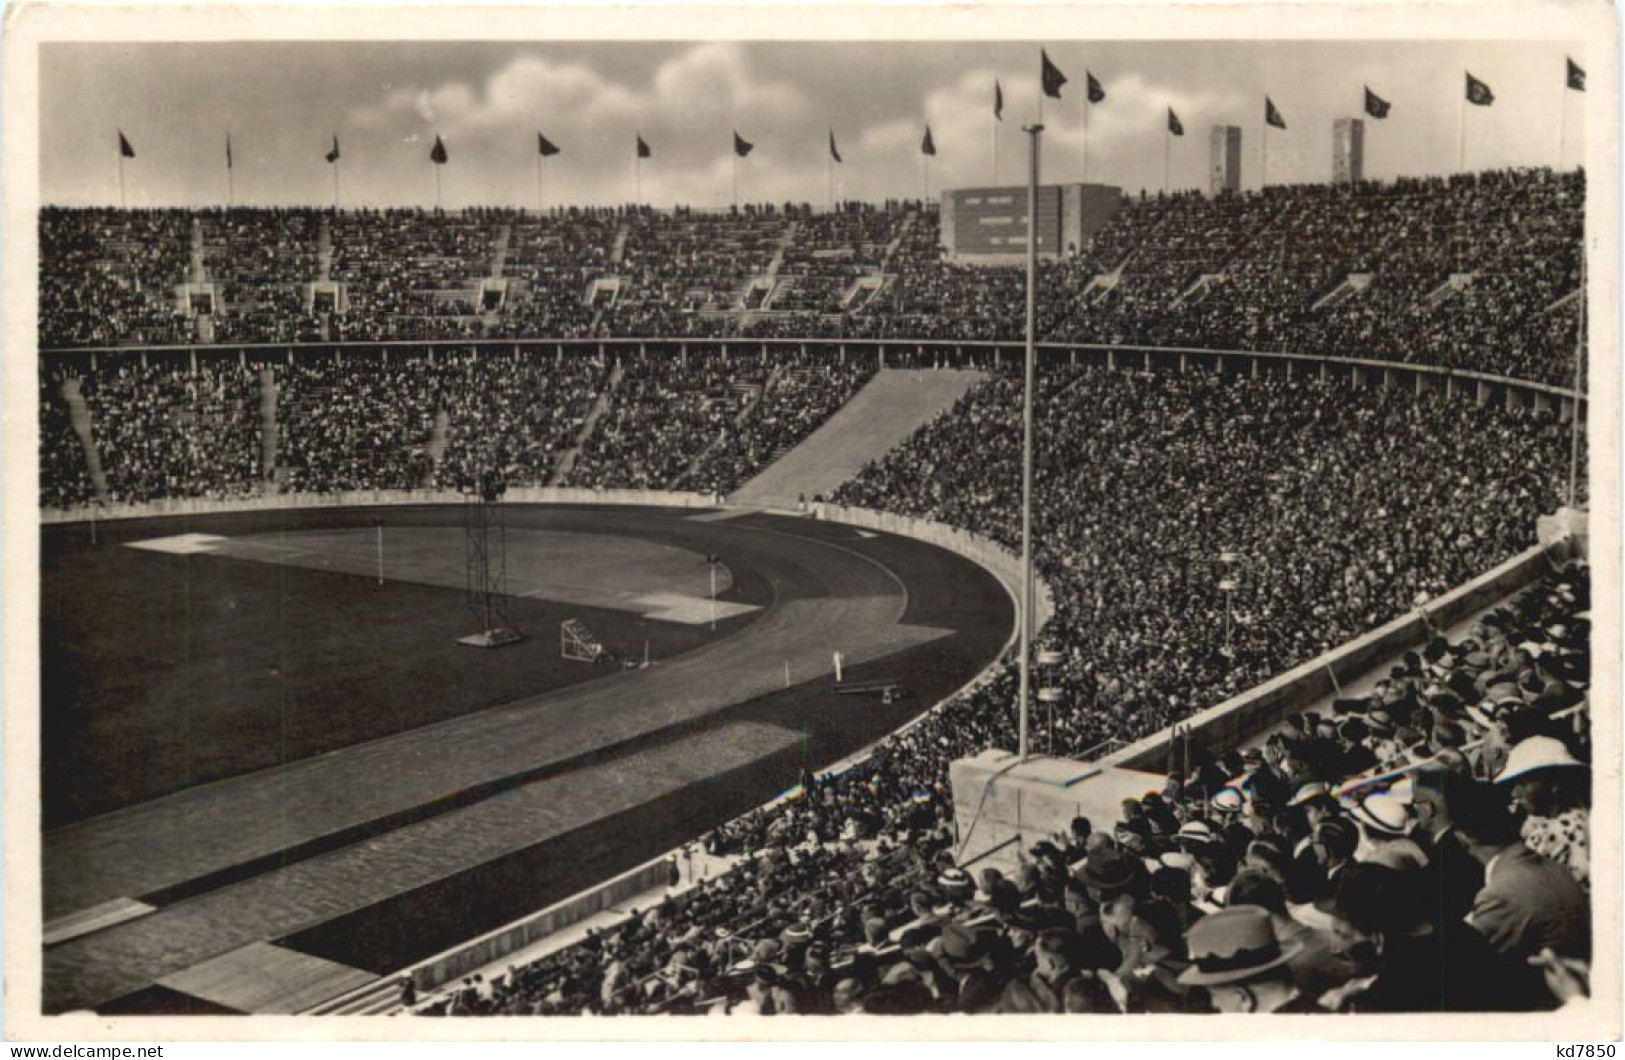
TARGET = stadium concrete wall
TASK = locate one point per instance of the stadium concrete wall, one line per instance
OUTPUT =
(494, 946)
(371, 498)
(983, 551)
(1229, 724)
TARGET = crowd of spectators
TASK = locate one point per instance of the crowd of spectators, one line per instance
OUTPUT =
(513, 413)
(1420, 848)
(165, 429)
(357, 422)
(64, 473)
(1467, 271)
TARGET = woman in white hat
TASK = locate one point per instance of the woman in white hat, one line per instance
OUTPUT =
(1551, 788)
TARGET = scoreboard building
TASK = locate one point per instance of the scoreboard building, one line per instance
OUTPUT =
(989, 225)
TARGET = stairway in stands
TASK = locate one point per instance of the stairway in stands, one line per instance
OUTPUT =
(324, 250)
(79, 417)
(893, 405)
(600, 405)
(270, 430)
(438, 435)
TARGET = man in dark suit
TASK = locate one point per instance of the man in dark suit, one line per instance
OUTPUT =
(1528, 902)
(1454, 876)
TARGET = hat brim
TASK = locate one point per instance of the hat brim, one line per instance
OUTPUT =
(1507, 774)
(1194, 976)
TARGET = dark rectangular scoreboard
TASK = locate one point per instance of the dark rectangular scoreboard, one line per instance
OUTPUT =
(991, 223)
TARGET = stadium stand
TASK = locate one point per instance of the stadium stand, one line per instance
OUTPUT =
(1471, 271)
(1332, 509)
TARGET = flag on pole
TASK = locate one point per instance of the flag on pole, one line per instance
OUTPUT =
(333, 155)
(643, 148)
(998, 100)
(1577, 76)
(124, 148)
(228, 150)
(1097, 91)
(1273, 116)
(1173, 123)
(834, 153)
(1478, 93)
(742, 146)
(545, 147)
(1051, 75)
(437, 154)
(1375, 105)
(928, 146)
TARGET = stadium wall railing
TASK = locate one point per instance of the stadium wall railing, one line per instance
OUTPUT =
(1228, 725)
(1484, 387)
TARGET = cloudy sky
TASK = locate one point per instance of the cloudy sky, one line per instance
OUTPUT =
(282, 103)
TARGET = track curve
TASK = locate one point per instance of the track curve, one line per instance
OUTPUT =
(279, 851)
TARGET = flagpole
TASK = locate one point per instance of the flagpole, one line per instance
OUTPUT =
(736, 179)
(335, 185)
(637, 178)
(1026, 622)
(1563, 120)
(120, 150)
(436, 184)
(1167, 153)
(1461, 160)
(995, 151)
(1264, 156)
(1579, 382)
(231, 185)
(829, 180)
(1086, 129)
(539, 206)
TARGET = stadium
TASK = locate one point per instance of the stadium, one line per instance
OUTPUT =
(1181, 604)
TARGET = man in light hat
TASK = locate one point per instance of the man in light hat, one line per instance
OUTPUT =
(1549, 785)
(1236, 957)
(1385, 824)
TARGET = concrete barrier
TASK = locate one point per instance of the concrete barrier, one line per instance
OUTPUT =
(370, 499)
(983, 551)
(1226, 726)
(511, 938)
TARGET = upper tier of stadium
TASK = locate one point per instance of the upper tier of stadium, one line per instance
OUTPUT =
(1478, 271)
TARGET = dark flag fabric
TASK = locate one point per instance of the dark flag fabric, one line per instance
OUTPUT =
(1097, 91)
(228, 151)
(1577, 76)
(928, 146)
(1173, 123)
(742, 146)
(1051, 75)
(437, 154)
(333, 155)
(545, 147)
(124, 147)
(1375, 105)
(1478, 93)
(998, 101)
(643, 148)
(834, 153)
(1273, 116)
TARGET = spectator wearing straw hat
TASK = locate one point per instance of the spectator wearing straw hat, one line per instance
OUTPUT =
(1385, 824)
(1237, 959)
(1548, 784)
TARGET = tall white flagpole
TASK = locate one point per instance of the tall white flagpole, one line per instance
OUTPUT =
(1035, 132)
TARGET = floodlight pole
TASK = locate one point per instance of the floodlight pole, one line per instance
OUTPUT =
(1023, 749)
